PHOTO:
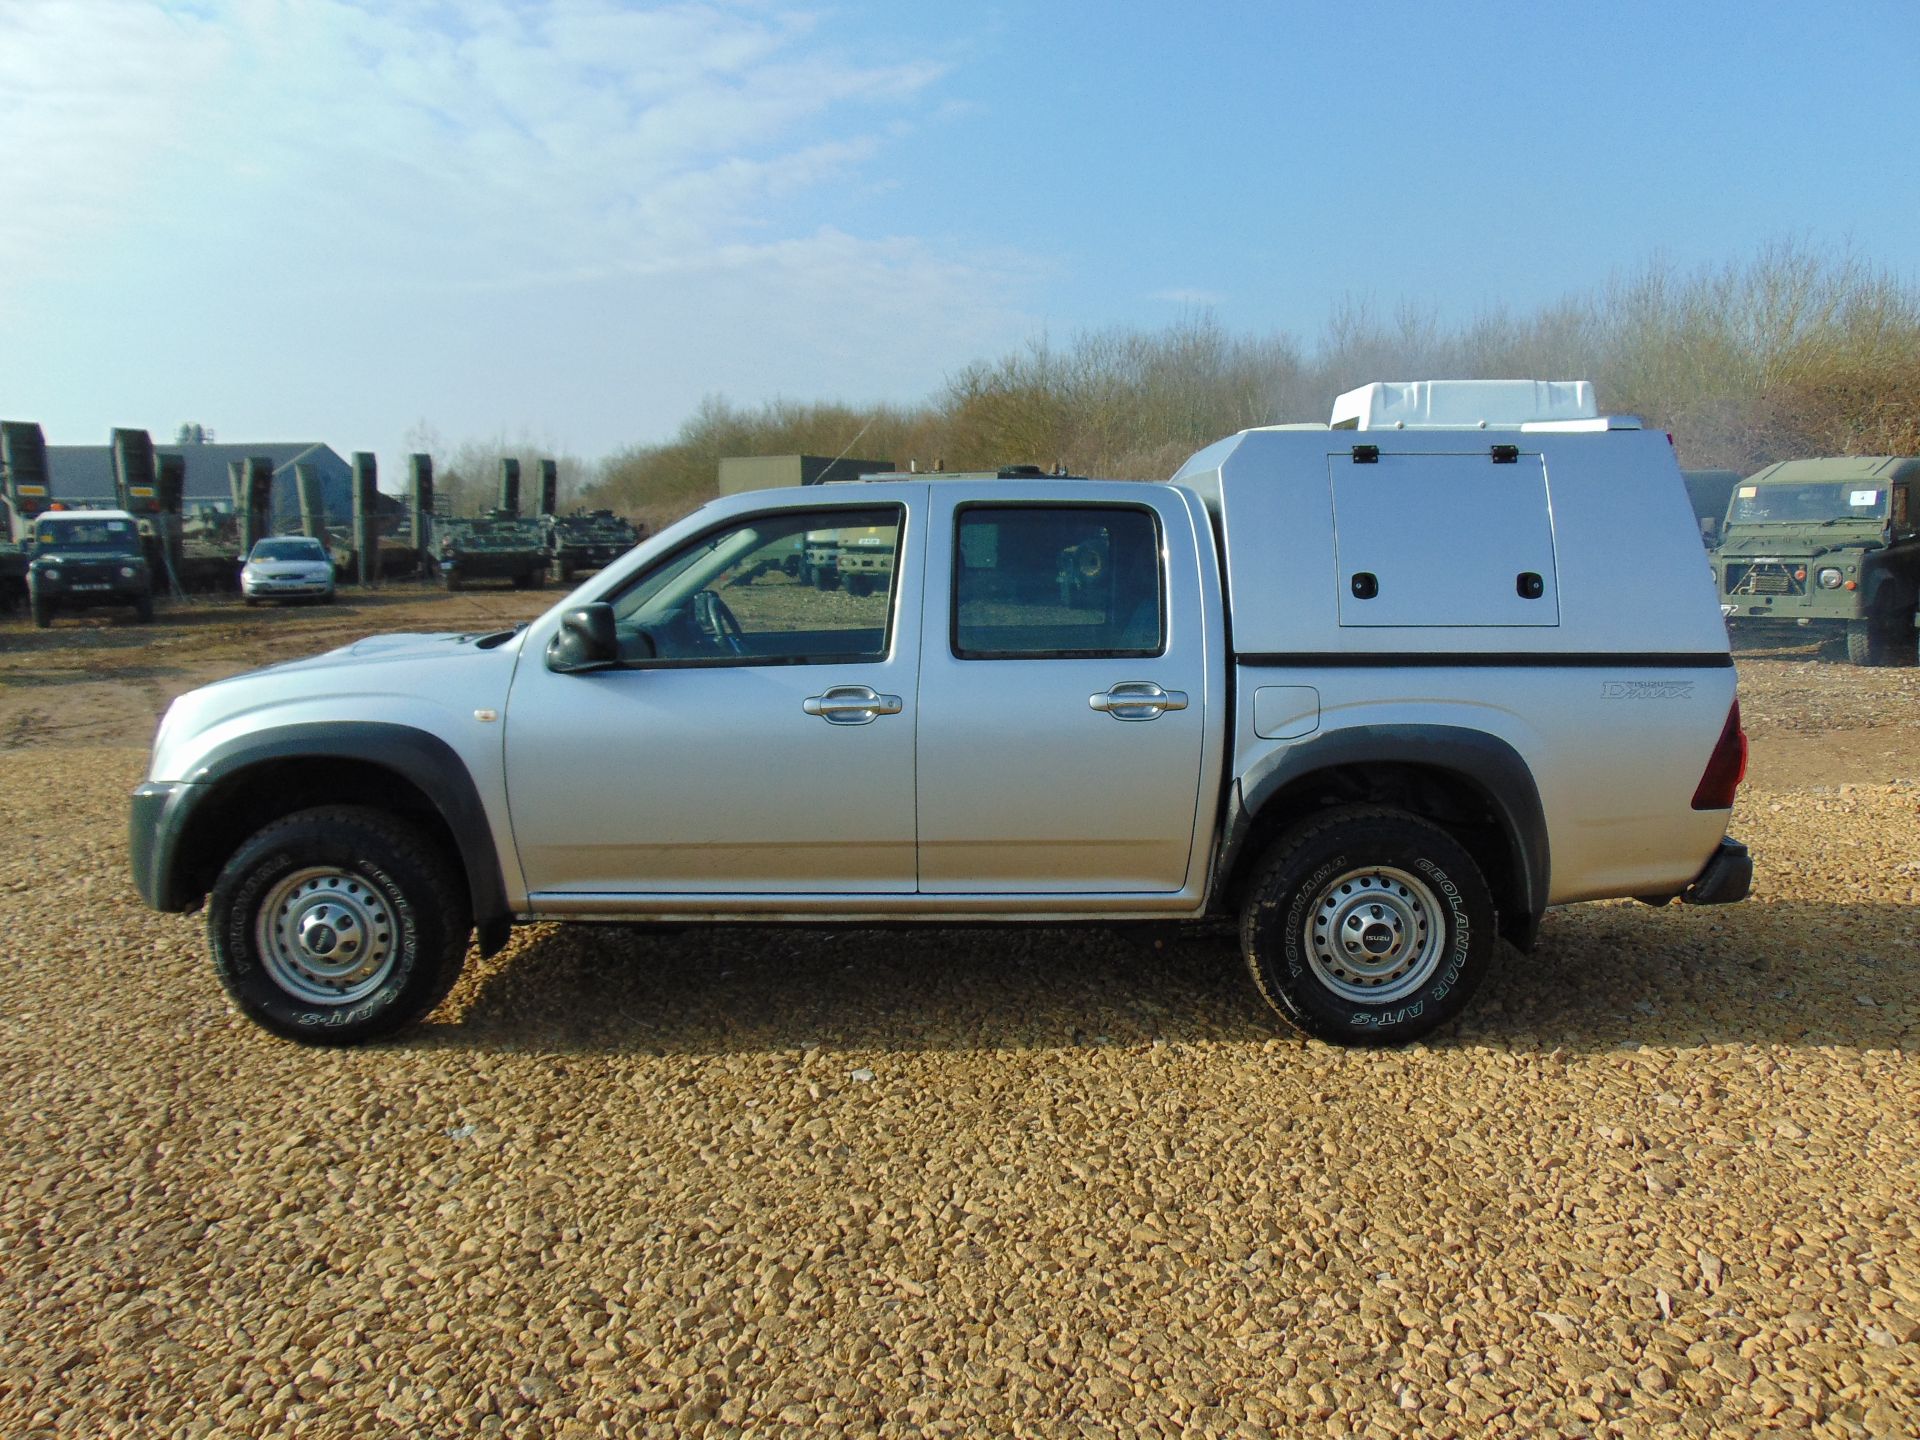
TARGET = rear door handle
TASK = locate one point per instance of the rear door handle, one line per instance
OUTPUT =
(851, 705)
(1137, 700)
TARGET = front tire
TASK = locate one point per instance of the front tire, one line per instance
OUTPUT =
(42, 612)
(1368, 926)
(338, 925)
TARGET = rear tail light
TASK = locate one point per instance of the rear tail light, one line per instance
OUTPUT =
(1727, 767)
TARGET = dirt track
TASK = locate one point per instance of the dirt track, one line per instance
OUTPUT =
(1660, 1181)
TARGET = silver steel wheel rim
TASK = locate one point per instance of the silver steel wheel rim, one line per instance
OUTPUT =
(1375, 935)
(326, 936)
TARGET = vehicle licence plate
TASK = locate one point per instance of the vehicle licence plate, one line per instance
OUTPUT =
(91, 585)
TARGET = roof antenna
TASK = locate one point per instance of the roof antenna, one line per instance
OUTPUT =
(850, 444)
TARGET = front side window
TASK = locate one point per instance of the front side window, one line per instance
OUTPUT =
(1057, 581)
(792, 588)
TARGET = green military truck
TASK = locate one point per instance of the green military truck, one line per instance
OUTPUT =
(1831, 544)
(588, 540)
(498, 545)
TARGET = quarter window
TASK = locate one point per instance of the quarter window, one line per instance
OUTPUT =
(1060, 582)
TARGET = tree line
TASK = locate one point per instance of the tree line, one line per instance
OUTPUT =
(1788, 353)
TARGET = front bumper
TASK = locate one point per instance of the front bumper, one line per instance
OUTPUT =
(268, 589)
(158, 817)
(1728, 876)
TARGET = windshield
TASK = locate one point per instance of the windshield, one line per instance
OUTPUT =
(1812, 503)
(288, 550)
(110, 536)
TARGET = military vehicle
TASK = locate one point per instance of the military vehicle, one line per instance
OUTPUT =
(13, 576)
(497, 545)
(1832, 544)
(588, 540)
(84, 558)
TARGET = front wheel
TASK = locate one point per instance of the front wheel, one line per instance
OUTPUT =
(1368, 926)
(42, 612)
(338, 924)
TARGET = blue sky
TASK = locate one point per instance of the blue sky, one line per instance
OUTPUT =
(567, 222)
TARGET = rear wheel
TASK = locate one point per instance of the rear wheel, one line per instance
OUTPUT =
(1368, 926)
(338, 924)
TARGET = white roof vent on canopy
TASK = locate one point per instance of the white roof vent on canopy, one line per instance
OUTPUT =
(1468, 405)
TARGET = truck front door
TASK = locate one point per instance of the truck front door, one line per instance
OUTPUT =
(757, 739)
(1062, 695)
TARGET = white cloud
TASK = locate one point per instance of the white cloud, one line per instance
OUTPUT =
(316, 176)
(531, 141)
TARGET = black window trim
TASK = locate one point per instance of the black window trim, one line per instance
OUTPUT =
(761, 662)
(953, 586)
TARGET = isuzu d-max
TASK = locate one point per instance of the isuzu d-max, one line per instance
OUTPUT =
(1375, 689)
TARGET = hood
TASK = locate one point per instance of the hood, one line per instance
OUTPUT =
(289, 567)
(379, 649)
(428, 682)
(1793, 542)
(86, 557)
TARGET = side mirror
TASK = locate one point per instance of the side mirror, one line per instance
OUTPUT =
(584, 641)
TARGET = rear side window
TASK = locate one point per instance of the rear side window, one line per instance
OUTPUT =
(1057, 582)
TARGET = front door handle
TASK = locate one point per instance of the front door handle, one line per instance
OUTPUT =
(1137, 700)
(851, 705)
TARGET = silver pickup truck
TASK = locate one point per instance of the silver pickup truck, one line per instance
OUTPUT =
(1379, 691)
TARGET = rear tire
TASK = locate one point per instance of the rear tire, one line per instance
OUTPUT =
(1368, 926)
(337, 925)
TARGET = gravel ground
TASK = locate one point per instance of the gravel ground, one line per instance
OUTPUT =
(1046, 1183)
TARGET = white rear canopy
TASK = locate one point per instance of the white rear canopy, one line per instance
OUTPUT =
(1469, 405)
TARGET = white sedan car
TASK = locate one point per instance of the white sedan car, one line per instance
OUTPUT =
(287, 567)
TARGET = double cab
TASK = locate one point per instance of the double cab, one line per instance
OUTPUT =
(1372, 690)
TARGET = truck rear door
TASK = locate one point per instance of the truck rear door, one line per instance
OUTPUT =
(1062, 714)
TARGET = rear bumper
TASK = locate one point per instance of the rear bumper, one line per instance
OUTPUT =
(1728, 876)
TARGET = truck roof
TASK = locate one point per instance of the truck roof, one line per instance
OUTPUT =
(1838, 467)
(46, 515)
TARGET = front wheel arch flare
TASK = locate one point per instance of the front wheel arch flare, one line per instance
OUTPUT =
(426, 763)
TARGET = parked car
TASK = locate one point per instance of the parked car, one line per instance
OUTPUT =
(83, 559)
(287, 567)
(1373, 689)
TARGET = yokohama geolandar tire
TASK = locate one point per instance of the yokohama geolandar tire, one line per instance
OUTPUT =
(337, 925)
(1368, 926)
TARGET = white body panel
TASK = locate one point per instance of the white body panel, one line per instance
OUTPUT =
(1626, 552)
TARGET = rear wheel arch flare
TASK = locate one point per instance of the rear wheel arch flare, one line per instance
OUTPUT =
(1393, 764)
